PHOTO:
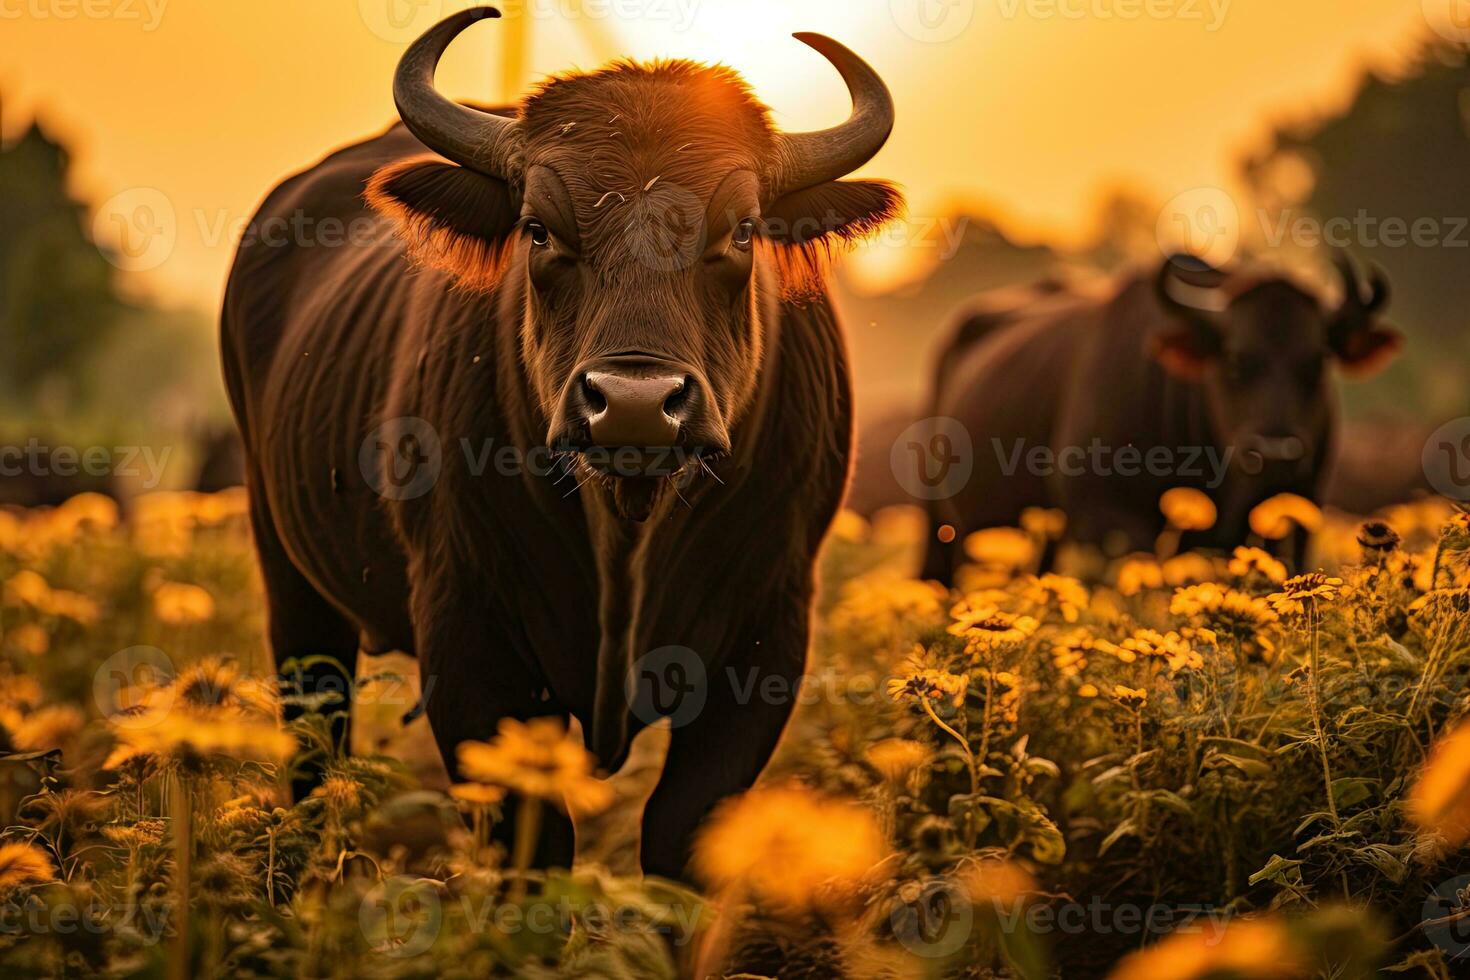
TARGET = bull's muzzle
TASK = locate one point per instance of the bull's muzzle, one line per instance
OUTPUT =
(630, 413)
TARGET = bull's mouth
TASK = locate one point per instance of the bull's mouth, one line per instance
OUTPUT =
(637, 478)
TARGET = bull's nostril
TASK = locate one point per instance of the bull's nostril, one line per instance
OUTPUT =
(595, 399)
(678, 398)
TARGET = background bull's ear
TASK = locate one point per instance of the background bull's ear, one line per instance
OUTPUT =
(806, 225)
(1190, 289)
(451, 218)
(1366, 350)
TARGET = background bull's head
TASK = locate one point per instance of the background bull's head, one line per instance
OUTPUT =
(1262, 345)
(647, 218)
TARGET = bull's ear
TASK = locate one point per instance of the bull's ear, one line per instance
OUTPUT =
(451, 218)
(1367, 350)
(837, 211)
(1191, 291)
(1363, 346)
(805, 226)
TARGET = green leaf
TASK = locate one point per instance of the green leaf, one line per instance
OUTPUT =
(1275, 870)
(1352, 790)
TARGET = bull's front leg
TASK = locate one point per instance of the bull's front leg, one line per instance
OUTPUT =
(471, 678)
(718, 750)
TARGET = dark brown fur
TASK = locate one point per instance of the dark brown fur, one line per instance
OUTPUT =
(1070, 368)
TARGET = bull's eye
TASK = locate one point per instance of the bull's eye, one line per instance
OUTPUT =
(540, 235)
(744, 234)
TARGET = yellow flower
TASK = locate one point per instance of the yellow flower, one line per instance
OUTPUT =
(88, 508)
(1274, 517)
(48, 728)
(789, 847)
(1132, 698)
(218, 683)
(539, 759)
(179, 604)
(997, 881)
(1007, 547)
(1062, 592)
(1223, 609)
(1243, 948)
(140, 834)
(20, 691)
(849, 526)
(477, 794)
(191, 736)
(1188, 567)
(993, 630)
(1087, 691)
(29, 588)
(341, 792)
(23, 865)
(1005, 692)
(1255, 561)
(896, 759)
(1377, 537)
(29, 638)
(1303, 593)
(1136, 574)
(1046, 523)
(929, 685)
(1069, 651)
(26, 587)
(1165, 646)
(1187, 509)
(1440, 800)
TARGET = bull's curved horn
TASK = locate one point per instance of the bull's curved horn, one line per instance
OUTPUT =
(1354, 295)
(808, 159)
(473, 139)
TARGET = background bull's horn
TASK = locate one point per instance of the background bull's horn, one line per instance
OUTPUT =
(473, 139)
(808, 159)
(1358, 296)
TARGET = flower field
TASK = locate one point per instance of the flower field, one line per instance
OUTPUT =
(1157, 765)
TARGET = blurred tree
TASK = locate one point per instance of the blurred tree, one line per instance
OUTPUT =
(1387, 178)
(57, 302)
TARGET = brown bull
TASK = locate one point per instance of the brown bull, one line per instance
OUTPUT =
(570, 395)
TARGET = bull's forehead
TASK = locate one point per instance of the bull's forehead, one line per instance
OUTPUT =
(618, 134)
(1276, 314)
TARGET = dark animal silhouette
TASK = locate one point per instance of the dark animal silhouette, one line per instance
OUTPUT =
(605, 412)
(1188, 376)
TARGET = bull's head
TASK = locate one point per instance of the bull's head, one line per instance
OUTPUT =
(647, 219)
(1262, 346)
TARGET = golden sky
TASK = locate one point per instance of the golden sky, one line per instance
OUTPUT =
(1030, 108)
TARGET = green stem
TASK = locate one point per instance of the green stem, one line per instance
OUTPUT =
(528, 825)
(182, 814)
